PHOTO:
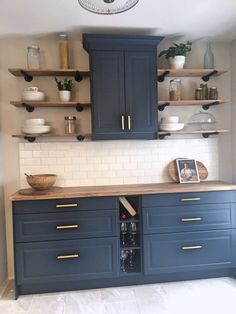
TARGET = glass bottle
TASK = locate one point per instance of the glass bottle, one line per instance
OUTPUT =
(63, 51)
(205, 90)
(70, 125)
(208, 58)
(175, 89)
(33, 54)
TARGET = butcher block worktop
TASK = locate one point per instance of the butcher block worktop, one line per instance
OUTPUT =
(118, 190)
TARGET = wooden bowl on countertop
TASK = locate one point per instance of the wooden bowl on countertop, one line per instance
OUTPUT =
(40, 182)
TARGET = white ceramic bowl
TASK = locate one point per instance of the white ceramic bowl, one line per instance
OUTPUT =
(171, 126)
(36, 129)
(36, 121)
(171, 119)
(33, 95)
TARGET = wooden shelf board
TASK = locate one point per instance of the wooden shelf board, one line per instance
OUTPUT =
(50, 135)
(48, 72)
(49, 103)
(192, 132)
(191, 102)
(189, 72)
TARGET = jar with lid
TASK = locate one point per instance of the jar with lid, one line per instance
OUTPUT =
(199, 93)
(213, 93)
(70, 125)
(64, 51)
(175, 89)
(33, 56)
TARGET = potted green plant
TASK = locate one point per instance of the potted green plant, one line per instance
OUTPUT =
(176, 54)
(65, 87)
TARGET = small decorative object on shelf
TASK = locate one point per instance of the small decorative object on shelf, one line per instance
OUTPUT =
(213, 93)
(208, 58)
(176, 54)
(199, 93)
(64, 51)
(70, 125)
(175, 89)
(65, 87)
(33, 57)
(205, 91)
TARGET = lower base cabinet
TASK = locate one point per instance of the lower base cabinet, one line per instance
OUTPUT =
(84, 243)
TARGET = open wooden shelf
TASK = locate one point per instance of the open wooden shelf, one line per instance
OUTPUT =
(32, 137)
(30, 105)
(205, 133)
(206, 104)
(190, 72)
(48, 72)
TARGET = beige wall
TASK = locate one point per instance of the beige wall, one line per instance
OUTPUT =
(233, 116)
(13, 54)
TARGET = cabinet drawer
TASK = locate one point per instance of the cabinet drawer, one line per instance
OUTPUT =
(68, 204)
(188, 218)
(65, 225)
(188, 198)
(188, 251)
(66, 260)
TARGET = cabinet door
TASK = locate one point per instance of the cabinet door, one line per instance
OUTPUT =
(141, 94)
(108, 104)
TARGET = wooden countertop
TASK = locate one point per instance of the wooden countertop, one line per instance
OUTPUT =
(120, 190)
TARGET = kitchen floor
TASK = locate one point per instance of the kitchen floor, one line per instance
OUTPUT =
(213, 296)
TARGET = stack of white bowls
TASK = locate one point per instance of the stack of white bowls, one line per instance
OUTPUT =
(33, 94)
(171, 124)
(35, 126)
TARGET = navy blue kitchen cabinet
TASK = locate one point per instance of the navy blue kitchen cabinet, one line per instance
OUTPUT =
(123, 86)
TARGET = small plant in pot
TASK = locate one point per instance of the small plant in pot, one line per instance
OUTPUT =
(65, 87)
(176, 54)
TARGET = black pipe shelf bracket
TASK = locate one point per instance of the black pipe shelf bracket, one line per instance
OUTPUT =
(161, 78)
(79, 107)
(30, 139)
(206, 78)
(78, 77)
(80, 138)
(162, 136)
(28, 107)
(214, 103)
(206, 135)
(162, 107)
(27, 77)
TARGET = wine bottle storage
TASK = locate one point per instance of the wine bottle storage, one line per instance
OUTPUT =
(130, 261)
(129, 234)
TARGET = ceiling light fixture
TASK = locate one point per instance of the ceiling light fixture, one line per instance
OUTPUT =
(107, 6)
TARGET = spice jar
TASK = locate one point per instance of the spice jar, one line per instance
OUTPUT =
(175, 89)
(33, 53)
(63, 51)
(213, 93)
(70, 125)
(199, 93)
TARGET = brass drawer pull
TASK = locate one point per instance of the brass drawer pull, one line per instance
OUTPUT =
(62, 227)
(68, 256)
(122, 122)
(194, 247)
(66, 205)
(129, 122)
(191, 219)
(190, 199)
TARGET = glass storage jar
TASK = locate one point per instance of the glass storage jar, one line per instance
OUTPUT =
(175, 89)
(70, 125)
(63, 51)
(33, 56)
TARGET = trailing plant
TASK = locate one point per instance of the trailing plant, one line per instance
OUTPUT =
(64, 84)
(176, 50)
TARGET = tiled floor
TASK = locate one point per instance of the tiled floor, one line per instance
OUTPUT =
(210, 296)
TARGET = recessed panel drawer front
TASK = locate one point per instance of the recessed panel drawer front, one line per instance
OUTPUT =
(68, 204)
(188, 198)
(65, 225)
(66, 260)
(188, 218)
(188, 251)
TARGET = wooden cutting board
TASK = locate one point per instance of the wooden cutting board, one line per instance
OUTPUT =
(30, 191)
(173, 172)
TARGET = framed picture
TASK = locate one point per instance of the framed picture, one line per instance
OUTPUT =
(187, 171)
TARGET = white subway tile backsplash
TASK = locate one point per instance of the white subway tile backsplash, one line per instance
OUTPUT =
(114, 162)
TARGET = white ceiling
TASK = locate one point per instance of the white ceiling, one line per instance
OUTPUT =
(193, 19)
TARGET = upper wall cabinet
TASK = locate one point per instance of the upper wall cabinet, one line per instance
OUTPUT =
(123, 86)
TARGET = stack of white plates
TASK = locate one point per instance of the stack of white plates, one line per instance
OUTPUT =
(171, 124)
(35, 126)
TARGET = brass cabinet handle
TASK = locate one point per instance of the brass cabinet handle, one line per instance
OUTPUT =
(191, 219)
(190, 199)
(193, 247)
(62, 227)
(122, 122)
(70, 256)
(129, 122)
(66, 205)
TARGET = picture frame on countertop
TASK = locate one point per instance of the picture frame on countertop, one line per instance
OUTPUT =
(187, 170)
